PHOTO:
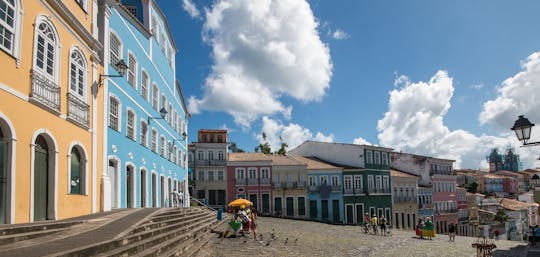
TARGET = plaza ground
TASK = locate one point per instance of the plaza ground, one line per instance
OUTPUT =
(303, 238)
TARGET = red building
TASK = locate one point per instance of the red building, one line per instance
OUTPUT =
(445, 202)
(250, 176)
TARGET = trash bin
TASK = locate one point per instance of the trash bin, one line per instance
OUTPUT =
(220, 214)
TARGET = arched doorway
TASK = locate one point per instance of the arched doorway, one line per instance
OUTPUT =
(162, 190)
(169, 190)
(129, 186)
(43, 180)
(113, 176)
(154, 190)
(4, 176)
(143, 189)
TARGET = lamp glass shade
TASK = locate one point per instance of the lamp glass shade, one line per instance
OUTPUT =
(121, 67)
(522, 128)
(163, 112)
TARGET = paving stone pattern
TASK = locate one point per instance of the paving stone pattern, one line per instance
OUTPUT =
(311, 239)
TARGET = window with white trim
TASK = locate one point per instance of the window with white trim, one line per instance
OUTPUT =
(46, 50)
(385, 159)
(369, 157)
(370, 182)
(162, 146)
(114, 116)
(323, 180)
(144, 134)
(82, 4)
(211, 155)
(335, 181)
(154, 140)
(155, 97)
(252, 173)
(77, 74)
(9, 21)
(220, 175)
(220, 156)
(130, 124)
(115, 50)
(175, 155)
(210, 175)
(144, 85)
(312, 180)
(386, 185)
(358, 182)
(240, 173)
(132, 70)
(265, 173)
(347, 182)
(378, 181)
(377, 157)
(169, 150)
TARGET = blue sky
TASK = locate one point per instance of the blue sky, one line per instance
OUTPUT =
(439, 78)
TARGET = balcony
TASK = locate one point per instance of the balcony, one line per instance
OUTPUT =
(348, 191)
(276, 185)
(78, 110)
(289, 185)
(265, 181)
(253, 181)
(313, 188)
(300, 184)
(240, 182)
(336, 188)
(379, 191)
(45, 91)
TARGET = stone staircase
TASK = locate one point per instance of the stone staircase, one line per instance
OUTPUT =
(12, 234)
(168, 232)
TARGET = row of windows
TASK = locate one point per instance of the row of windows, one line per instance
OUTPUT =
(210, 155)
(252, 173)
(289, 178)
(404, 193)
(376, 157)
(161, 39)
(172, 117)
(441, 169)
(167, 149)
(211, 175)
(444, 186)
(445, 206)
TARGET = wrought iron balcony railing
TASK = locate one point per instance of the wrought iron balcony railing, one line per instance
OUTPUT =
(289, 185)
(265, 181)
(336, 188)
(78, 110)
(300, 184)
(276, 185)
(253, 181)
(240, 182)
(45, 91)
(313, 188)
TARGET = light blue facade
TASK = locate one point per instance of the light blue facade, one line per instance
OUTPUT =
(146, 150)
(325, 196)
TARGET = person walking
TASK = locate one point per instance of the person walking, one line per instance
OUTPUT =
(419, 228)
(428, 230)
(452, 232)
(382, 225)
(374, 224)
(254, 223)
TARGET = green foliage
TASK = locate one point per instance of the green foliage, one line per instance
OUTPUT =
(472, 187)
(501, 216)
(234, 149)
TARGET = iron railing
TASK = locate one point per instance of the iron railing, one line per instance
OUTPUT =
(78, 110)
(45, 91)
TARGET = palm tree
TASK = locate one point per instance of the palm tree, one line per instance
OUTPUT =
(501, 216)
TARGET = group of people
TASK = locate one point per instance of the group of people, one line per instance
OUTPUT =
(534, 234)
(425, 230)
(243, 221)
(377, 224)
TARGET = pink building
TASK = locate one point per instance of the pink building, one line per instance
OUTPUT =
(250, 176)
(445, 202)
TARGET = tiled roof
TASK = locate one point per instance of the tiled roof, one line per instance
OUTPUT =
(278, 159)
(314, 163)
(532, 171)
(514, 204)
(248, 157)
(397, 173)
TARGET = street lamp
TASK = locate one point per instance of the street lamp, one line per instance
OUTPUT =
(162, 112)
(121, 67)
(522, 127)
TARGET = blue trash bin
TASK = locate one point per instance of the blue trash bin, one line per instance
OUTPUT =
(220, 214)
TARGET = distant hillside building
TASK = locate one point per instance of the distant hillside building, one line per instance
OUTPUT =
(497, 161)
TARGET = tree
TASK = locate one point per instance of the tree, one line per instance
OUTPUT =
(283, 149)
(264, 147)
(472, 187)
(501, 216)
(234, 149)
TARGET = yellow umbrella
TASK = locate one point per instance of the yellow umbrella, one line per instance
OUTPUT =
(239, 202)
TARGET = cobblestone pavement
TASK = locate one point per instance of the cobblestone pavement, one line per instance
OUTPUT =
(302, 238)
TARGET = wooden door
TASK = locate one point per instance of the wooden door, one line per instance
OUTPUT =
(41, 183)
(129, 187)
(3, 180)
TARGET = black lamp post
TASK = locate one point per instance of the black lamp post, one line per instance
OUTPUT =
(522, 127)
(120, 66)
(162, 112)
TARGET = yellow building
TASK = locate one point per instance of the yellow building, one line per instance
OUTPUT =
(50, 112)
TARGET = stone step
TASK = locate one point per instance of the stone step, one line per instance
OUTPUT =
(170, 215)
(150, 246)
(39, 226)
(153, 225)
(134, 242)
(12, 238)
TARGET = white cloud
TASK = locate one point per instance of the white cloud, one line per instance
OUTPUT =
(361, 141)
(292, 134)
(340, 34)
(262, 50)
(478, 86)
(191, 9)
(414, 124)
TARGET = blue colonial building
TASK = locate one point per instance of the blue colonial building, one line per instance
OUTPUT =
(146, 129)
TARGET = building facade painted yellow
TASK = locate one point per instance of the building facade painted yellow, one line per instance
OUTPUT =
(50, 110)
